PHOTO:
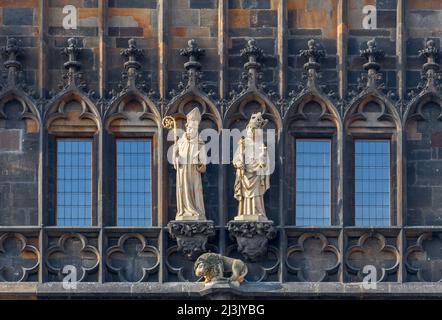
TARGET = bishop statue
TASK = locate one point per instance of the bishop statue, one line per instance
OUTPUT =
(189, 156)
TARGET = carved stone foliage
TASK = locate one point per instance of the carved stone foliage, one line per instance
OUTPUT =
(313, 258)
(132, 82)
(372, 250)
(15, 90)
(73, 79)
(263, 270)
(14, 78)
(193, 93)
(250, 96)
(430, 74)
(133, 259)
(18, 258)
(370, 87)
(191, 236)
(72, 250)
(423, 259)
(252, 238)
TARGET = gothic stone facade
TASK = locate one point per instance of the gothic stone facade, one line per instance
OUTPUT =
(341, 86)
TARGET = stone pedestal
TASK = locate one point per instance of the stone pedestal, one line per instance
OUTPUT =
(191, 236)
(252, 237)
(251, 218)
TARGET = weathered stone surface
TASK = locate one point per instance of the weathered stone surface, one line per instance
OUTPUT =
(290, 267)
(18, 16)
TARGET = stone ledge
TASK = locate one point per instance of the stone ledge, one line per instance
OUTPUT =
(177, 290)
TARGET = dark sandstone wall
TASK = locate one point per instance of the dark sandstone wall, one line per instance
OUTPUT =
(199, 20)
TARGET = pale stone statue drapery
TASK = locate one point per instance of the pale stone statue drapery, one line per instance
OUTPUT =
(252, 178)
(190, 162)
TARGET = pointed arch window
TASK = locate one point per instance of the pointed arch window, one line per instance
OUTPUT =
(372, 182)
(313, 182)
(134, 182)
(74, 182)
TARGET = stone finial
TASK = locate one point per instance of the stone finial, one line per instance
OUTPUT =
(431, 68)
(372, 54)
(11, 53)
(252, 66)
(132, 53)
(312, 67)
(193, 53)
(72, 65)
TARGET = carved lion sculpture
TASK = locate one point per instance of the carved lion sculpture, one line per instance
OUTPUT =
(212, 266)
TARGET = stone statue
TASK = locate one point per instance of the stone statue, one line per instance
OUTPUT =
(252, 177)
(189, 157)
(212, 266)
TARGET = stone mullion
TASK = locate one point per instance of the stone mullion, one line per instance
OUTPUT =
(102, 33)
(42, 62)
(163, 42)
(282, 209)
(401, 277)
(401, 54)
(222, 47)
(341, 245)
(282, 53)
(222, 213)
(41, 248)
(342, 39)
(401, 161)
(282, 47)
(41, 81)
(101, 249)
(342, 43)
(283, 243)
(43, 240)
(223, 10)
(162, 186)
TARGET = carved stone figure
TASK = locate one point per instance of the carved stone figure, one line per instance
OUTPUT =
(212, 266)
(189, 158)
(252, 178)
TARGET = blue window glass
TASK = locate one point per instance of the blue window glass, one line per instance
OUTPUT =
(313, 182)
(372, 182)
(134, 182)
(74, 182)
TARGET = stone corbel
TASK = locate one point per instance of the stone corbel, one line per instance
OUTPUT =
(252, 237)
(191, 236)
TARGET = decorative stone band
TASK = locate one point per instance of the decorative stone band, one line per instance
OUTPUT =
(191, 236)
(252, 237)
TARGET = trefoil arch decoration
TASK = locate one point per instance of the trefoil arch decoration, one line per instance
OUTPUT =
(72, 107)
(371, 90)
(193, 93)
(312, 91)
(250, 96)
(132, 108)
(15, 88)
